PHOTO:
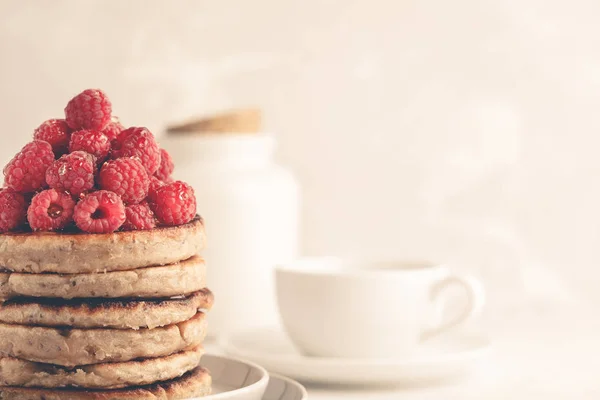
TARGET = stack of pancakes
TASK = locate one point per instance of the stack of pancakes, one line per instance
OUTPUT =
(110, 316)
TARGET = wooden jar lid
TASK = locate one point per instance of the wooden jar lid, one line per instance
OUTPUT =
(235, 121)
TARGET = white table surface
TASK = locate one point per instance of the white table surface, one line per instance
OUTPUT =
(551, 354)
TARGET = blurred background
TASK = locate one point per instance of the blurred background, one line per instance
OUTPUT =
(461, 131)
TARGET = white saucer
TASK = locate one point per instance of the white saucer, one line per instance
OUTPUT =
(441, 359)
(235, 379)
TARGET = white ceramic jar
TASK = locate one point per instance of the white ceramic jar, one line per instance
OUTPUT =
(251, 209)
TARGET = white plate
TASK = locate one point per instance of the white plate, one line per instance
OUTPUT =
(444, 358)
(282, 388)
(235, 379)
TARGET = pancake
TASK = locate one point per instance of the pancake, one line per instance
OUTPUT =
(196, 383)
(15, 372)
(72, 347)
(154, 282)
(102, 313)
(77, 253)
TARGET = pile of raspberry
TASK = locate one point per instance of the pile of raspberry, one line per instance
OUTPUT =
(88, 173)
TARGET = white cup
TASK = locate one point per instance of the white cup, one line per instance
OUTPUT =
(333, 308)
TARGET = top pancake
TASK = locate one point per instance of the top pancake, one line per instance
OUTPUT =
(76, 253)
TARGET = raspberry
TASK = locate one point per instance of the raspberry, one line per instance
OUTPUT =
(155, 184)
(94, 142)
(174, 203)
(90, 109)
(139, 217)
(26, 172)
(113, 129)
(117, 142)
(56, 132)
(166, 166)
(127, 177)
(139, 143)
(50, 210)
(73, 173)
(100, 212)
(12, 210)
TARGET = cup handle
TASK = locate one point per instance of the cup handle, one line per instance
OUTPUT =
(475, 302)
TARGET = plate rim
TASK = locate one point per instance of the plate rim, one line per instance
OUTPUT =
(263, 381)
(298, 385)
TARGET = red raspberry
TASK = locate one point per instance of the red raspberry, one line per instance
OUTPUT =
(117, 142)
(113, 129)
(26, 172)
(127, 177)
(100, 212)
(139, 217)
(175, 203)
(12, 210)
(90, 109)
(94, 142)
(166, 166)
(56, 132)
(139, 143)
(73, 173)
(155, 184)
(50, 210)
